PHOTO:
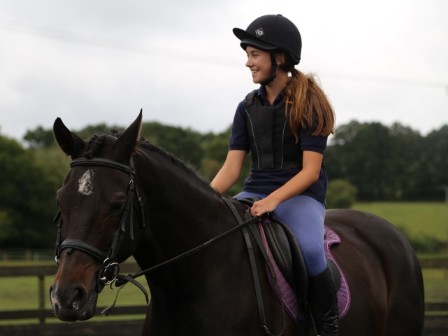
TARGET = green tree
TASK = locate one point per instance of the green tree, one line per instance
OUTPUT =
(434, 167)
(360, 155)
(183, 143)
(87, 132)
(341, 194)
(39, 138)
(215, 153)
(404, 164)
(26, 198)
(385, 163)
(54, 164)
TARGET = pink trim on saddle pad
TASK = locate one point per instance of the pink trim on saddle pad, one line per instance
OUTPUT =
(344, 298)
(283, 289)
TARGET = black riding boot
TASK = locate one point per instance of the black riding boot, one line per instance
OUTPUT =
(324, 303)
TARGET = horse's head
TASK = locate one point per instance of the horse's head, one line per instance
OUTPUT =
(98, 218)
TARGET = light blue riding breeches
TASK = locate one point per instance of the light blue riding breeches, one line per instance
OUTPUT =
(304, 216)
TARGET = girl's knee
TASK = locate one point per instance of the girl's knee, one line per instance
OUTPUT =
(314, 257)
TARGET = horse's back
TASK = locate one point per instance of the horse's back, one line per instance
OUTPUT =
(383, 273)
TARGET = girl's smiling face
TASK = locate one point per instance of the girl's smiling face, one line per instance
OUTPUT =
(259, 63)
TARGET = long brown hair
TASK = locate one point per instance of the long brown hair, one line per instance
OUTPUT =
(308, 106)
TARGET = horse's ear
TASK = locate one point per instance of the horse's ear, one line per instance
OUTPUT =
(125, 145)
(69, 142)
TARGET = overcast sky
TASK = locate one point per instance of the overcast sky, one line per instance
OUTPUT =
(100, 61)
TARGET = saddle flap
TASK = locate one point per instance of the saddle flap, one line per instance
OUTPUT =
(286, 252)
(288, 256)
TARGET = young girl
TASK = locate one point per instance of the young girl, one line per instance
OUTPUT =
(284, 125)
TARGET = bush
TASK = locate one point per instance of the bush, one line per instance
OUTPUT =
(341, 194)
(423, 243)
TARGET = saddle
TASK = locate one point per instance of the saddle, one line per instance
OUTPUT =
(286, 268)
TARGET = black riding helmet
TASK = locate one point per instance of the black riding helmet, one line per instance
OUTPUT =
(272, 33)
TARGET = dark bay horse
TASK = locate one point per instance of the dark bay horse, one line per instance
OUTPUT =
(124, 196)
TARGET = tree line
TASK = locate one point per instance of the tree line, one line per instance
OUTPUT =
(393, 163)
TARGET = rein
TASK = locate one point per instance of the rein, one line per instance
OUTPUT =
(119, 282)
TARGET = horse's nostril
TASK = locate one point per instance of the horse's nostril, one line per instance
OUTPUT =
(53, 301)
(55, 307)
(78, 297)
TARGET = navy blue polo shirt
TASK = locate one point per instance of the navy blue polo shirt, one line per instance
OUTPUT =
(265, 181)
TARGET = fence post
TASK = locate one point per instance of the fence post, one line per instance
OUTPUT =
(41, 298)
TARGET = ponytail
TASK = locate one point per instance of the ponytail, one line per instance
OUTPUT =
(308, 106)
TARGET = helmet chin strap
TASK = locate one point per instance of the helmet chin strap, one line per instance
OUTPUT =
(274, 67)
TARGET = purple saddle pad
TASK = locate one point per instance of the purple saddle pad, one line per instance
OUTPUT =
(284, 290)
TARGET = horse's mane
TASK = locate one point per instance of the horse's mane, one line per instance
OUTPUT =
(144, 146)
(97, 143)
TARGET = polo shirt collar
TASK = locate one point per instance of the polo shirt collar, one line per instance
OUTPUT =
(261, 94)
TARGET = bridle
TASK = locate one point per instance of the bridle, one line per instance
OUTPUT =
(110, 266)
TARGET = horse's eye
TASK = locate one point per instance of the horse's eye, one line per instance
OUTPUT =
(117, 207)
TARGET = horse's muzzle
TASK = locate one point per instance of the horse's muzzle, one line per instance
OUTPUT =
(72, 303)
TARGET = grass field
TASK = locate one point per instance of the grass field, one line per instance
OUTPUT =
(415, 218)
(21, 293)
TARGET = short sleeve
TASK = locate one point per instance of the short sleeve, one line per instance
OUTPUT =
(314, 143)
(239, 138)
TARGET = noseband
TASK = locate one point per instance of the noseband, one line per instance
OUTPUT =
(111, 267)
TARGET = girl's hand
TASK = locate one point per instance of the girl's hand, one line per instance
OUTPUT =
(266, 205)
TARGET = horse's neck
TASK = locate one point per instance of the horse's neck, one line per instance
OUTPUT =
(182, 210)
(179, 197)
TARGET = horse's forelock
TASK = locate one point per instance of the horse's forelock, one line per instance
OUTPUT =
(96, 143)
